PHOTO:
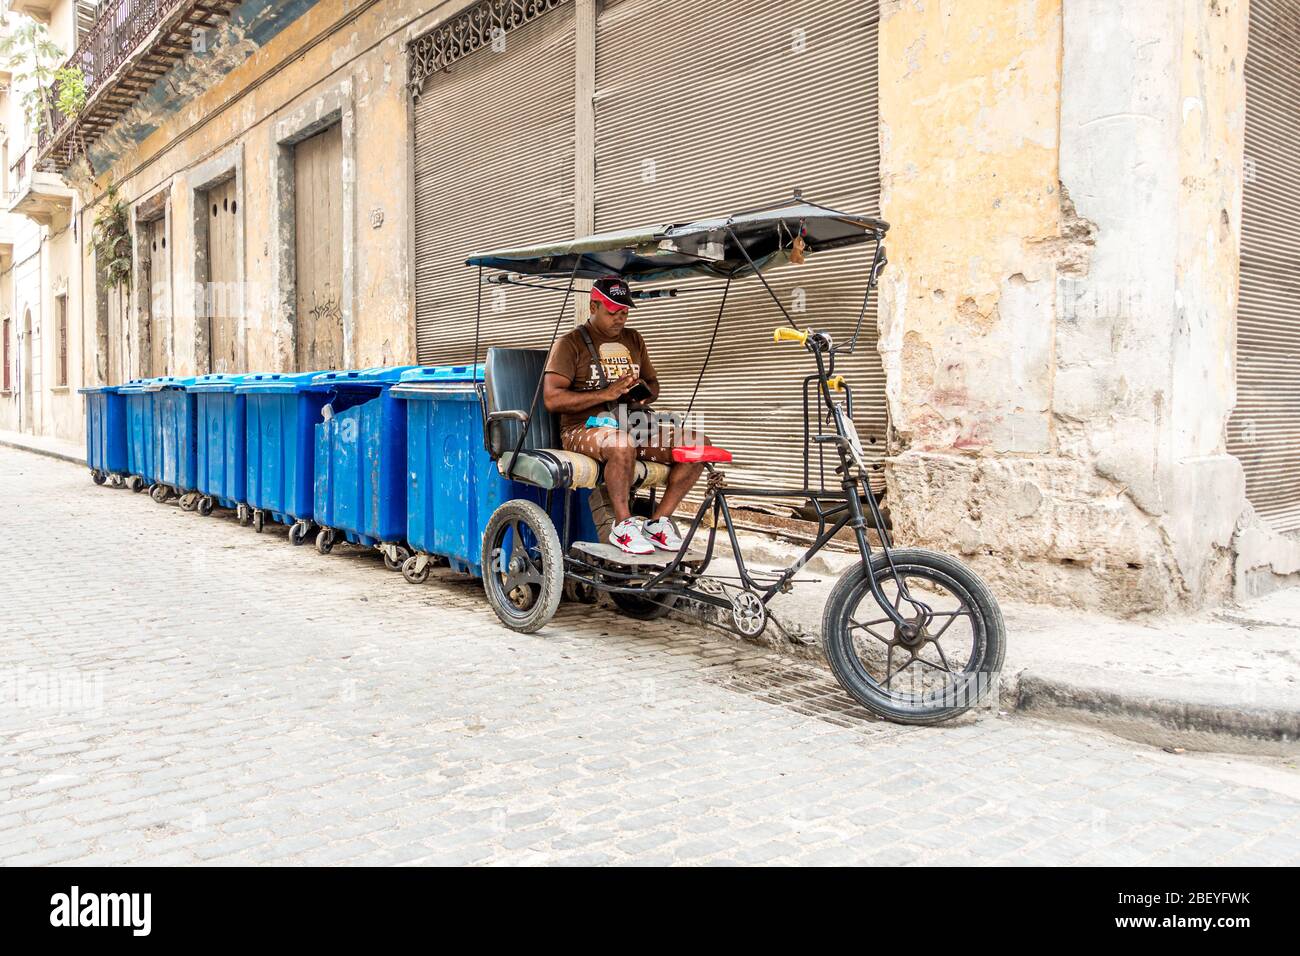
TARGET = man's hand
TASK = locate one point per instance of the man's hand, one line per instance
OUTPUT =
(616, 389)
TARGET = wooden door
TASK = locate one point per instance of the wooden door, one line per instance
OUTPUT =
(223, 300)
(158, 292)
(318, 239)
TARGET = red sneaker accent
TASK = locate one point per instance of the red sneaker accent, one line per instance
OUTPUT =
(698, 454)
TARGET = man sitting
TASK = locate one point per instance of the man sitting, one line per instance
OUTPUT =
(589, 374)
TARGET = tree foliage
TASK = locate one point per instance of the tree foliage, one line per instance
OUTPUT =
(33, 58)
(113, 240)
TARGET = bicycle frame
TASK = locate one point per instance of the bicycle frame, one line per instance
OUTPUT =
(846, 510)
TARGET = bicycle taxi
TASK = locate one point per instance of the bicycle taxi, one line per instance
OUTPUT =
(913, 635)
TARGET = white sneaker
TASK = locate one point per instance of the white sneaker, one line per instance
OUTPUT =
(627, 536)
(663, 535)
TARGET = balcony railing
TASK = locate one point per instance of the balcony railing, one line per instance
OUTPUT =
(132, 44)
(120, 27)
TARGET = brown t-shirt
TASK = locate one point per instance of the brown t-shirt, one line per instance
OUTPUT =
(571, 359)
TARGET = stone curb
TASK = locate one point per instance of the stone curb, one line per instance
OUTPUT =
(1161, 721)
(47, 452)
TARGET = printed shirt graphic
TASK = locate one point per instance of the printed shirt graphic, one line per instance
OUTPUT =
(572, 359)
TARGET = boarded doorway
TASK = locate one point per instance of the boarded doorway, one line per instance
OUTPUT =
(158, 295)
(222, 299)
(28, 382)
(318, 244)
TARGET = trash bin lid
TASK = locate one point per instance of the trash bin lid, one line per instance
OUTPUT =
(167, 381)
(378, 377)
(428, 381)
(98, 389)
(135, 385)
(277, 382)
(217, 382)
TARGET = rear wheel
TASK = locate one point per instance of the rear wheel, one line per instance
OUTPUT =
(523, 567)
(933, 669)
(655, 604)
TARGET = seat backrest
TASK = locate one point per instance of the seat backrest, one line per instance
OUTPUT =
(509, 382)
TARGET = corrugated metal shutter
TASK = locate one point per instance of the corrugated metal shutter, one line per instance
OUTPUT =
(1264, 431)
(494, 166)
(705, 109)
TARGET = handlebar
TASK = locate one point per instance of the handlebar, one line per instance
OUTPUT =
(787, 334)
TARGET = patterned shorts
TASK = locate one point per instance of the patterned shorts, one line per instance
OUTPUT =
(596, 442)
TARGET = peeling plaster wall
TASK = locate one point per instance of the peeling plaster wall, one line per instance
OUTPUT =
(259, 75)
(968, 105)
(1057, 328)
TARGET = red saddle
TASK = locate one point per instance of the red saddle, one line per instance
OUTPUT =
(698, 454)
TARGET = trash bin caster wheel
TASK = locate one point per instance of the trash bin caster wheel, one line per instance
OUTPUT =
(189, 501)
(259, 521)
(244, 515)
(158, 493)
(411, 574)
(98, 477)
(206, 504)
(135, 483)
(325, 541)
(393, 561)
(298, 532)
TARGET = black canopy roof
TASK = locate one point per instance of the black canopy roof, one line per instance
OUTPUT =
(705, 247)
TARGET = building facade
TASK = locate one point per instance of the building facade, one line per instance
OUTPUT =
(1080, 373)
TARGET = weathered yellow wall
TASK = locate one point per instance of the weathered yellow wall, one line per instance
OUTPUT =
(1063, 181)
(310, 57)
(969, 96)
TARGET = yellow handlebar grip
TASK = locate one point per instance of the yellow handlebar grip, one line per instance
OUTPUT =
(835, 383)
(787, 334)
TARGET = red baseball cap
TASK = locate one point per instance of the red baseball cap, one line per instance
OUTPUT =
(613, 292)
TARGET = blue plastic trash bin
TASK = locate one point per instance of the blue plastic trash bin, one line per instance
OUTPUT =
(175, 439)
(360, 463)
(161, 437)
(281, 410)
(139, 433)
(222, 446)
(106, 434)
(453, 485)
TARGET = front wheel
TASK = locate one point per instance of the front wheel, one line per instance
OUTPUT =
(523, 567)
(942, 664)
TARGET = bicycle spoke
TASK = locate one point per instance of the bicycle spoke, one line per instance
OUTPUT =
(931, 664)
(867, 624)
(955, 615)
(942, 656)
(871, 632)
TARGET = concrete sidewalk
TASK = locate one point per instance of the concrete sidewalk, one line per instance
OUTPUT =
(1227, 679)
(44, 445)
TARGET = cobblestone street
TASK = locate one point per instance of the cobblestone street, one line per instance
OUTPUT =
(178, 689)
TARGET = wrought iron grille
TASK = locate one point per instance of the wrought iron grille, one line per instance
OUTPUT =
(470, 30)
